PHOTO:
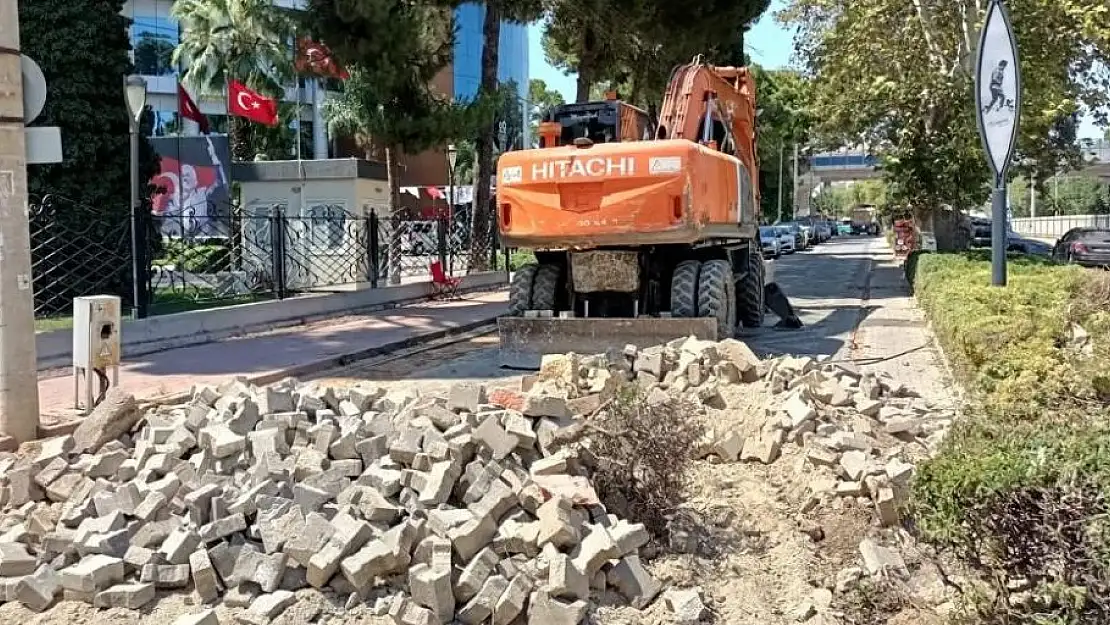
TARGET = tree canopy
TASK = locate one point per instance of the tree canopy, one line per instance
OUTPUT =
(81, 46)
(655, 35)
(244, 40)
(898, 76)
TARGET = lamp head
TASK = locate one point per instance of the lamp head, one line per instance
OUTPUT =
(134, 89)
(452, 155)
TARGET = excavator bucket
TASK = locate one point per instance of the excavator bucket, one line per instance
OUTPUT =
(525, 340)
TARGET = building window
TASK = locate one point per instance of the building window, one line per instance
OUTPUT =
(166, 123)
(153, 40)
(327, 225)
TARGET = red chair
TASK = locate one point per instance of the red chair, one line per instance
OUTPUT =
(443, 285)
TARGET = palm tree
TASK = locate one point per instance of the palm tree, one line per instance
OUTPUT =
(518, 11)
(244, 40)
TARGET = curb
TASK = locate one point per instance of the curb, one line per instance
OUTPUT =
(339, 360)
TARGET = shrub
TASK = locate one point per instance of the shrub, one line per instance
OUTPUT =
(519, 258)
(1015, 490)
(643, 452)
(196, 257)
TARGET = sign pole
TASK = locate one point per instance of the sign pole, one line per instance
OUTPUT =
(998, 110)
(19, 400)
(998, 234)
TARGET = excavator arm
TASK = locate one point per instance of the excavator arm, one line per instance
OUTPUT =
(713, 106)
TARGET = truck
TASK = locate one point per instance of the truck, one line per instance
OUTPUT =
(863, 220)
(642, 232)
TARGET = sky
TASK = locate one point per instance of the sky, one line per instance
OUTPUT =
(769, 44)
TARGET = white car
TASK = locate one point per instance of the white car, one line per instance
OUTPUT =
(786, 240)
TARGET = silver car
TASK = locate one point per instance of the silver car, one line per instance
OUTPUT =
(786, 240)
(770, 241)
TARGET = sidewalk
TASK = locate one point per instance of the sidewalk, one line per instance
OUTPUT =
(277, 354)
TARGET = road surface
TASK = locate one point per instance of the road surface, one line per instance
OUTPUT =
(849, 293)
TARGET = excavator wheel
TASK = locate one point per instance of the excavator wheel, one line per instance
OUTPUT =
(545, 287)
(717, 296)
(749, 293)
(684, 289)
(520, 291)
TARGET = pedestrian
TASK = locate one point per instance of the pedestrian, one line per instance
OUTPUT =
(998, 96)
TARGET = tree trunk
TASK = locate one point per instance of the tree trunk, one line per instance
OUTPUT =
(241, 144)
(585, 66)
(395, 223)
(480, 218)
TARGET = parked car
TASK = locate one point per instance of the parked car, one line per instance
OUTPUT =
(810, 235)
(787, 240)
(801, 241)
(770, 242)
(844, 227)
(980, 232)
(824, 233)
(1031, 247)
(1089, 247)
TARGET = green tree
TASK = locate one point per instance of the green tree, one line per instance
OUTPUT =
(495, 11)
(81, 241)
(541, 99)
(899, 76)
(783, 121)
(388, 98)
(655, 35)
(244, 40)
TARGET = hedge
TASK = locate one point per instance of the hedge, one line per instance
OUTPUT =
(1017, 488)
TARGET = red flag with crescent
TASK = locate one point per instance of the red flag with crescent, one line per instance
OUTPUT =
(190, 110)
(315, 58)
(254, 106)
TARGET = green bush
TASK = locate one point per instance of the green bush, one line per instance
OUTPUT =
(196, 257)
(519, 258)
(1016, 489)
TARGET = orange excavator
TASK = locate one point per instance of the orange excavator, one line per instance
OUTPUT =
(641, 235)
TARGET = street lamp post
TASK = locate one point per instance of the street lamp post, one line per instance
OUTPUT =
(452, 158)
(134, 91)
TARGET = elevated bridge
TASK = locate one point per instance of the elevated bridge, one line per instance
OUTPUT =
(829, 167)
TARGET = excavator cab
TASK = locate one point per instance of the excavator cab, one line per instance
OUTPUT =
(608, 121)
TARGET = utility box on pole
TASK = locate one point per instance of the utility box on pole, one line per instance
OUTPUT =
(96, 345)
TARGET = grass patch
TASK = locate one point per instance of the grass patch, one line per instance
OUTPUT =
(1016, 489)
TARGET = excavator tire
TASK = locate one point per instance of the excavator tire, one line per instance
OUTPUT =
(717, 296)
(520, 290)
(684, 289)
(749, 294)
(545, 287)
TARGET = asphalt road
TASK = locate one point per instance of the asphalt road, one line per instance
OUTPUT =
(828, 286)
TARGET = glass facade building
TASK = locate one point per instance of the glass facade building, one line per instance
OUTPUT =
(512, 61)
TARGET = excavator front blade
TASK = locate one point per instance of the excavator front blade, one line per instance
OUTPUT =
(525, 340)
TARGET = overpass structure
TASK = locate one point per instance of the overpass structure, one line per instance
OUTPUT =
(829, 167)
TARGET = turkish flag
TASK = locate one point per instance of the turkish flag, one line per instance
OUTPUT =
(314, 57)
(243, 102)
(189, 109)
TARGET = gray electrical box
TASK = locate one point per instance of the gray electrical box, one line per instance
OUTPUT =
(96, 344)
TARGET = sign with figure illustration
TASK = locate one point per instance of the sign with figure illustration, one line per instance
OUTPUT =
(998, 88)
(192, 192)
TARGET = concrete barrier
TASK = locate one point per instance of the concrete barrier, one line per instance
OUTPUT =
(155, 334)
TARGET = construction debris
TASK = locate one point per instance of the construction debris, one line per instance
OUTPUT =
(472, 507)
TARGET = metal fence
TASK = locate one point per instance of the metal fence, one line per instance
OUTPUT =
(232, 254)
(1057, 226)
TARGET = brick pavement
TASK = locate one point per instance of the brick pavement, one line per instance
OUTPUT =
(177, 370)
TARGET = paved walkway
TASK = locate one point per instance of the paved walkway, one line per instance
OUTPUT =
(276, 353)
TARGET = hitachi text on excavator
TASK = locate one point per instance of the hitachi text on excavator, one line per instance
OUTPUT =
(642, 234)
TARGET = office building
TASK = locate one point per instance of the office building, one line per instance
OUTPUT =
(155, 34)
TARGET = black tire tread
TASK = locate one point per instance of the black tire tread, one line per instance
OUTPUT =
(716, 296)
(684, 289)
(520, 289)
(545, 287)
(749, 294)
